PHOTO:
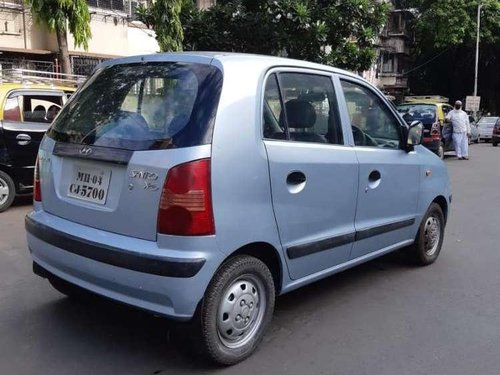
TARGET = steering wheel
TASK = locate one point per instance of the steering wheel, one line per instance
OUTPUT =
(359, 136)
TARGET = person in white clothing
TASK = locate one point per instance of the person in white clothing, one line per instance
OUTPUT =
(461, 130)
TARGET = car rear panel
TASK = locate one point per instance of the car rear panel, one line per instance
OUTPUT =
(133, 195)
(106, 157)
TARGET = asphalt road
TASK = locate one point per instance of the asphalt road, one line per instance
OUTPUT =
(384, 317)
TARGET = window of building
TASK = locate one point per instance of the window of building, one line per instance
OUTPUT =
(389, 62)
(107, 4)
(373, 124)
(396, 23)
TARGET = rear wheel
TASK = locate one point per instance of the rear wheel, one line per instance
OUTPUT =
(430, 237)
(236, 310)
(7, 191)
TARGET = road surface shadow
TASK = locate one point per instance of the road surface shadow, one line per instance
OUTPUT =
(83, 330)
(23, 200)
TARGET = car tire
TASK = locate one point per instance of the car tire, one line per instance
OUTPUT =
(440, 151)
(69, 290)
(236, 310)
(427, 246)
(7, 191)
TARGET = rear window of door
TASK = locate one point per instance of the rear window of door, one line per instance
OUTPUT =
(35, 108)
(41, 108)
(143, 107)
(301, 107)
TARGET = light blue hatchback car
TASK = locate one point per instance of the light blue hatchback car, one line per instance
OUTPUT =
(199, 186)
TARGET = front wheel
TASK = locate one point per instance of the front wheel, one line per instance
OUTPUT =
(7, 191)
(429, 238)
(440, 151)
(236, 310)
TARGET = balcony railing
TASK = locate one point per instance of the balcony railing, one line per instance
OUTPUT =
(13, 4)
(117, 5)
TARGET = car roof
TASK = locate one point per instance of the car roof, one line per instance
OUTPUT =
(423, 103)
(226, 58)
(6, 87)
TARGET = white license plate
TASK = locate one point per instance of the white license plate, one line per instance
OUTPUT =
(89, 184)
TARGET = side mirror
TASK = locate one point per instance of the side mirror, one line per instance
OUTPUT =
(414, 135)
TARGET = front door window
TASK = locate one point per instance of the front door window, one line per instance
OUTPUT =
(372, 122)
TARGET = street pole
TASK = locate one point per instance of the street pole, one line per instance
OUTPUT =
(479, 6)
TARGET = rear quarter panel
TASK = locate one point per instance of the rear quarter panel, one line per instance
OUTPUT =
(241, 190)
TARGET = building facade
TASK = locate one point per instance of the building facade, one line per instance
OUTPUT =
(393, 53)
(26, 44)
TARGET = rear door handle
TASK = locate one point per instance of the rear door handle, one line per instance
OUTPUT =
(295, 178)
(23, 139)
(374, 176)
(374, 179)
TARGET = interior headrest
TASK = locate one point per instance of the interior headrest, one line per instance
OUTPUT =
(300, 114)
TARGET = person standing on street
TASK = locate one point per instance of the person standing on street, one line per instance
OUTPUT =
(461, 130)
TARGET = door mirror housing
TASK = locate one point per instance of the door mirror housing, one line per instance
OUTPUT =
(414, 135)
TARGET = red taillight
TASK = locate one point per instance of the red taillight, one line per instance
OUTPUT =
(186, 201)
(37, 192)
(436, 131)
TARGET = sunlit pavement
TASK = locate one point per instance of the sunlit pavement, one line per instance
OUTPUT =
(384, 317)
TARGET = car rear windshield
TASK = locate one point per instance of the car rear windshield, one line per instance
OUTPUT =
(143, 107)
(487, 122)
(418, 112)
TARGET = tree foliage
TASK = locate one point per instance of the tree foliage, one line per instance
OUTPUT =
(60, 14)
(164, 17)
(446, 23)
(445, 49)
(340, 33)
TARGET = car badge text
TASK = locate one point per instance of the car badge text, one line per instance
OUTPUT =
(144, 175)
(85, 151)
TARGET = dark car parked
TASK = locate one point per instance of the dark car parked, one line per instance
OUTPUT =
(432, 117)
(495, 136)
(29, 101)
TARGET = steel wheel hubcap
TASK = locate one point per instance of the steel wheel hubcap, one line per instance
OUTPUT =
(432, 235)
(241, 311)
(4, 191)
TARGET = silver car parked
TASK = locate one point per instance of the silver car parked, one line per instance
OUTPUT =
(199, 186)
(485, 126)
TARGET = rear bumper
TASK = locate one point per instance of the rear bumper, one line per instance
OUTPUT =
(129, 270)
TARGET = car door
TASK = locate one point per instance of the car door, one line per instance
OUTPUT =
(27, 116)
(312, 171)
(388, 175)
(445, 109)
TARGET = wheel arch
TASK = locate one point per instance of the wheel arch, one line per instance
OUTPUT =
(443, 203)
(268, 254)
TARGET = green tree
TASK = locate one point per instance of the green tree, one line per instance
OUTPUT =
(58, 16)
(326, 31)
(445, 23)
(445, 49)
(164, 16)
